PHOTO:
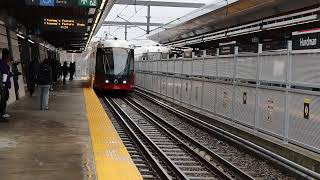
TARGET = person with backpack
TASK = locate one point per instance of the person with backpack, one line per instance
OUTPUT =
(44, 83)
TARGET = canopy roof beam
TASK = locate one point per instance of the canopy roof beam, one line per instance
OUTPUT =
(160, 3)
(119, 23)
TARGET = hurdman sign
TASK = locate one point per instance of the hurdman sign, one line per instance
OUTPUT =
(308, 39)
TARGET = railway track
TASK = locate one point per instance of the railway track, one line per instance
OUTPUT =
(181, 157)
(141, 158)
(254, 160)
(177, 159)
(167, 146)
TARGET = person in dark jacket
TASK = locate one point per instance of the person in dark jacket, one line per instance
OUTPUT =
(72, 68)
(6, 83)
(44, 83)
(33, 73)
(65, 70)
(16, 75)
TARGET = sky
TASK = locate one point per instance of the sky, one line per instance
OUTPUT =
(137, 35)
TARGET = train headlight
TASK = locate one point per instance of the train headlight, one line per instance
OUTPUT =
(124, 82)
(107, 81)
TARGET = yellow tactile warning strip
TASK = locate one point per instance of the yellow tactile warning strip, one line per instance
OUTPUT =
(112, 159)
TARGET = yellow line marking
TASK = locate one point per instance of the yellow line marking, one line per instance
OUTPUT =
(111, 156)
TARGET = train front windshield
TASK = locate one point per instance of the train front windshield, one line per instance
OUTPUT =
(114, 61)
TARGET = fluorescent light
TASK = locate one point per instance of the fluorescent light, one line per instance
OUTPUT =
(30, 41)
(21, 36)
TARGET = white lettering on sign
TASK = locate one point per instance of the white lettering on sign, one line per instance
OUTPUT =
(308, 42)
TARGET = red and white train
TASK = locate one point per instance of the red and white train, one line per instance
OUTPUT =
(114, 66)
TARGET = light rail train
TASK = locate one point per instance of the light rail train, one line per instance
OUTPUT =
(114, 67)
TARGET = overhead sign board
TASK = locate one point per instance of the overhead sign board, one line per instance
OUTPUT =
(62, 3)
(46, 2)
(227, 48)
(307, 39)
(87, 3)
(64, 24)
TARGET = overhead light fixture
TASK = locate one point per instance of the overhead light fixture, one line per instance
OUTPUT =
(21, 36)
(30, 41)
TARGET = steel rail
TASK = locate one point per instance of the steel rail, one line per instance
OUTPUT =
(208, 163)
(158, 151)
(226, 163)
(298, 170)
(154, 163)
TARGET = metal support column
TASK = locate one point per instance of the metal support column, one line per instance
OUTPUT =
(234, 83)
(216, 83)
(288, 86)
(125, 32)
(257, 110)
(148, 19)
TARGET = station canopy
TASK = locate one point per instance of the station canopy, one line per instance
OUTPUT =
(65, 24)
(127, 19)
(223, 14)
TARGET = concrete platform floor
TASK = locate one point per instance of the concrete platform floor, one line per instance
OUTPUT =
(45, 145)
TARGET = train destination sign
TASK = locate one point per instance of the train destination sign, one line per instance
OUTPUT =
(307, 39)
(69, 25)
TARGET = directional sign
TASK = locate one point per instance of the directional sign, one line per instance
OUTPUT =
(87, 3)
(46, 3)
(63, 3)
(60, 24)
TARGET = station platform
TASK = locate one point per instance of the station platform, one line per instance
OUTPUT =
(57, 144)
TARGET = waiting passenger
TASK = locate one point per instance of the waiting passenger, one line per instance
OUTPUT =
(44, 83)
(72, 68)
(65, 70)
(6, 83)
(16, 74)
(33, 72)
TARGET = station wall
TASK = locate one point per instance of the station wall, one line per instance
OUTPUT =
(275, 93)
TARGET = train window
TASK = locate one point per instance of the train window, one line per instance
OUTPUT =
(114, 61)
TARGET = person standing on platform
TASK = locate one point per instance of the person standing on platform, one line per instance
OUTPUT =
(33, 72)
(6, 83)
(16, 75)
(65, 70)
(72, 70)
(44, 83)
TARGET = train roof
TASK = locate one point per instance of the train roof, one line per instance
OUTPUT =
(115, 44)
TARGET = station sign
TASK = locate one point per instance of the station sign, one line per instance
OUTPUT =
(62, 3)
(270, 46)
(306, 39)
(64, 24)
(227, 48)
